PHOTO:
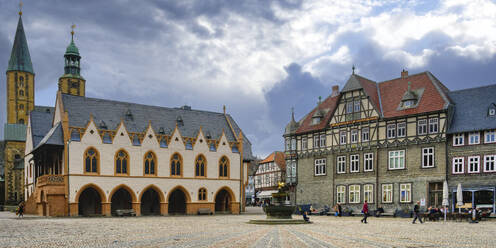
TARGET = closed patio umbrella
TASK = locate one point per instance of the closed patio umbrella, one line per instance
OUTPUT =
(459, 197)
(445, 197)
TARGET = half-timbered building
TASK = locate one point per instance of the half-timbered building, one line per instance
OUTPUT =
(381, 142)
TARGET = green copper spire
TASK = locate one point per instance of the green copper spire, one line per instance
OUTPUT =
(20, 60)
(72, 48)
(72, 58)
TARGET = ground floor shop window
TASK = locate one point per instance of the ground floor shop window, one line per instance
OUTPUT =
(368, 193)
(405, 192)
(340, 194)
(354, 191)
(435, 194)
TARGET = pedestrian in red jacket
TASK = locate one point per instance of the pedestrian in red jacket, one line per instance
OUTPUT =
(365, 211)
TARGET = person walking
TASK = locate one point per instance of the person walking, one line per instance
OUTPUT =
(365, 211)
(21, 210)
(416, 210)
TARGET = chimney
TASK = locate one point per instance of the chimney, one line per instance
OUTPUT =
(335, 90)
(404, 74)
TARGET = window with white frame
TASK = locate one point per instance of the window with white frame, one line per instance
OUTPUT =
(320, 167)
(322, 140)
(458, 139)
(342, 137)
(489, 163)
(357, 106)
(402, 129)
(368, 193)
(490, 136)
(288, 144)
(473, 164)
(458, 167)
(422, 127)
(341, 194)
(365, 134)
(354, 194)
(304, 143)
(354, 136)
(368, 162)
(316, 141)
(405, 192)
(354, 163)
(427, 157)
(349, 107)
(387, 193)
(473, 138)
(293, 144)
(397, 159)
(341, 168)
(433, 125)
(391, 131)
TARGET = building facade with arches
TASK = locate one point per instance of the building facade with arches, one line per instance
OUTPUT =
(90, 156)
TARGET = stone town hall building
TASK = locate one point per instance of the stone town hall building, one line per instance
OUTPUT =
(89, 156)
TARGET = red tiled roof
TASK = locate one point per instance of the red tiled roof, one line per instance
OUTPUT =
(278, 157)
(328, 105)
(393, 90)
(370, 88)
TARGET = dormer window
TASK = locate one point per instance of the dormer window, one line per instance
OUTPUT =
(163, 143)
(492, 112)
(408, 104)
(102, 125)
(411, 98)
(315, 120)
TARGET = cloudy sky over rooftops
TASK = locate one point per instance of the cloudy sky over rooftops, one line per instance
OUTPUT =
(259, 58)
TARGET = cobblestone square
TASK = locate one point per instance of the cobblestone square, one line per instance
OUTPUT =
(233, 231)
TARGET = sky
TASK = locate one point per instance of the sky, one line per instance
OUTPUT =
(260, 58)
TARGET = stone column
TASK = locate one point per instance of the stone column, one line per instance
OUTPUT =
(164, 208)
(137, 208)
(106, 209)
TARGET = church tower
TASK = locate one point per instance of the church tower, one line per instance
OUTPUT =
(20, 101)
(20, 79)
(72, 82)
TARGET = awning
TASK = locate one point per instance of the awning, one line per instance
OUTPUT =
(266, 194)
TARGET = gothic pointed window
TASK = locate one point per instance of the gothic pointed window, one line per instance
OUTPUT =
(224, 167)
(121, 162)
(91, 159)
(202, 194)
(21, 92)
(150, 164)
(200, 166)
(176, 162)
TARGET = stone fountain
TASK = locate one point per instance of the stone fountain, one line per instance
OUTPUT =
(280, 209)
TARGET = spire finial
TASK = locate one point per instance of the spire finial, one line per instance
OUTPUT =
(353, 69)
(224, 107)
(73, 26)
(20, 8)
(292, 113)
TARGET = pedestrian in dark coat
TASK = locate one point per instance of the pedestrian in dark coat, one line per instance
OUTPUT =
(416, 210)
(365, 211)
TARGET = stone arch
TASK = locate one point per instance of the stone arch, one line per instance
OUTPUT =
(183, 189)
(90, 204)
(124, 186)
(94, 186)
(151, 199)
(224, 198)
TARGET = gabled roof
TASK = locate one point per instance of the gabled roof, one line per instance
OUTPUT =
(433, 98)
(136, 118)
(327, 106)
(357, 82)
(41, 123)
(277, 157)
(471, 109)
(20, 60)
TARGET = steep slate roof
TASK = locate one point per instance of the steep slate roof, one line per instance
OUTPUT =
(41, 123)
(20, 60)
(112, 112)
(53, 137)
(247, 154)
(471, 109)
(433, 98)
(328, 106)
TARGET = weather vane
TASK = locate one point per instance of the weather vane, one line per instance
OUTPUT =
(73, 26)
(20, 8)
